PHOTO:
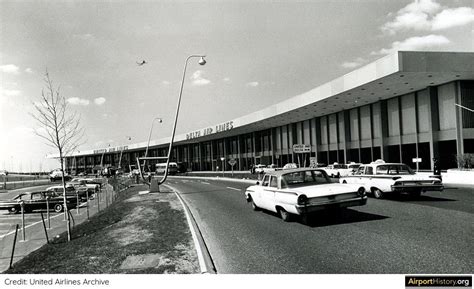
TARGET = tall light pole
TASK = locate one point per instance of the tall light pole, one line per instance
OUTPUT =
(201, 61)
(149, 137)
(121, 152)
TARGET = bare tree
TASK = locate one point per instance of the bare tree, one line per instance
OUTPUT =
(60, 129)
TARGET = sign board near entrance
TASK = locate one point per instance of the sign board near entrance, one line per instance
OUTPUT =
(417, 160)
(232, 162)
(301, 148)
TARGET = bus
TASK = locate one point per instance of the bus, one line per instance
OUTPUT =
(161, 168)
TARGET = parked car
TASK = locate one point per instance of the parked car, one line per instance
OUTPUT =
(271, 168)
(56, 175)
(341, 170)
(3, 173)
(381, 178)
(37, 201)
(301, 192)
(71, 191)
(260, 168)
(92, 186)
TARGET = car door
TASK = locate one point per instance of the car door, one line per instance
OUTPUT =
(35, 202)
(266, 197)
(270, 193)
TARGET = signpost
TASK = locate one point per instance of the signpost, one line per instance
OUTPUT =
(301, 149)
(417, 161)
(232, 163)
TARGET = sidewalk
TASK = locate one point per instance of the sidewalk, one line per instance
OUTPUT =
(35, 234)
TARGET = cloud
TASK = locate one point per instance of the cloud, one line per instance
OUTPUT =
(427, 15)
(226, 79)
(29, 70)
(353, 64)
(10, 68)
(416, 43)
(99, 100)
(252, 84)
(198, 79)
(165, 82)
(78, 101)
(9, 92)
(453, 17)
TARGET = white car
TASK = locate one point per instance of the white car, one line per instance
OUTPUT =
(341, 170)
(270, 168)
(92, 186)
(56, 175)
(301, 192)
(381, 178)
(260, 168)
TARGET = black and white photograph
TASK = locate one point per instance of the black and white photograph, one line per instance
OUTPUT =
(215, 143)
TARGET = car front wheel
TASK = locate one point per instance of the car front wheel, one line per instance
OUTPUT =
(58, 208)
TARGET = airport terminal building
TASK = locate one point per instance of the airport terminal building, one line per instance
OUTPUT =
(405, 106)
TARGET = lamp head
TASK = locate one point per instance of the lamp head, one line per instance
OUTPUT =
(202, 61)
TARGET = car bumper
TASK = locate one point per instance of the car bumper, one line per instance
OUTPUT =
(305, 209)
(416, 188)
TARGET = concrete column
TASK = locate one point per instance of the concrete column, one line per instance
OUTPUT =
(433, 119)
(383, 128)
(459, 125)
(239, 156)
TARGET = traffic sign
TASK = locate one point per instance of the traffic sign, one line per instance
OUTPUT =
(301, 148)
(232, 162)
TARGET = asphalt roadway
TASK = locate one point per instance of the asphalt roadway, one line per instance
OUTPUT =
(399, 235)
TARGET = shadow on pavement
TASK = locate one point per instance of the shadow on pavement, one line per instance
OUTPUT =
(422, 198)
(333, 217)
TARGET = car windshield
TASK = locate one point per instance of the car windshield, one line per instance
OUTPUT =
(400, 169)
(304, 178)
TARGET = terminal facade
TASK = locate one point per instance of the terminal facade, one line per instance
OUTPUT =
(405, 106)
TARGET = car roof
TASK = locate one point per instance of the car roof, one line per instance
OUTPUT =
(283, 172)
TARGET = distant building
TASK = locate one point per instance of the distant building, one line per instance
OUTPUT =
(397, 108)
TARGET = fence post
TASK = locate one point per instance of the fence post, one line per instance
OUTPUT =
(98, 199)
(22, 205)
(13, 249)
(47, 212)
(87, 206)
(44, 226)
(77, 202)
(106, 196)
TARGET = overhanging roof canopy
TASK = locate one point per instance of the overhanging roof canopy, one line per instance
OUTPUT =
(396, 74)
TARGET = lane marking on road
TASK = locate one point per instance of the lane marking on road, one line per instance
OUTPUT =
(206, 183)
(235, 189)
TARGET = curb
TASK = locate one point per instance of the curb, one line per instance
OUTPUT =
(204, 257)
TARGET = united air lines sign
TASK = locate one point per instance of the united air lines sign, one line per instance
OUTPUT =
(211, 130)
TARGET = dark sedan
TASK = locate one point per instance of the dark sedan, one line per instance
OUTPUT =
(37, 201)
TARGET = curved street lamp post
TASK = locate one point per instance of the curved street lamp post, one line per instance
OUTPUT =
(201, 61)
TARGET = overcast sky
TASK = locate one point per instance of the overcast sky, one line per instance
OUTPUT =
(258, 53)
